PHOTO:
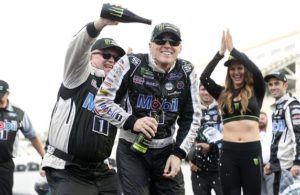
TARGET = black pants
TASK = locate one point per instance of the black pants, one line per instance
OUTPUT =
(204, 181)
(6, 177)
(240, 167)
(75, 181)
(143, 174)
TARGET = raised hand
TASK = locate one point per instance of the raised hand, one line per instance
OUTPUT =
(228, 40)
(223, 44)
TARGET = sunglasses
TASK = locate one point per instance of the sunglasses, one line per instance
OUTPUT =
(107, 56)
(164, 41)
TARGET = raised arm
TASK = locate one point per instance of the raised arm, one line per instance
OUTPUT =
(259, 84)
(209, 84)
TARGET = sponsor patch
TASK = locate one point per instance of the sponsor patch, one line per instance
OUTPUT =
(107, 83)
(187, 68)
(296, 121)
(135, 61)
(152, 84)
(138, 80)
(180, 85)
(102, 91)
(295, 111)
(174, 76)
(212, 112)
(174, 93)
(169, 86)
(94, 83)
(146, 72)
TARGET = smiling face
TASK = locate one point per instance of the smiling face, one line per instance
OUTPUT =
(162, 51)
(205, 97)
(104, 59)
(236, 73)
(277, 88)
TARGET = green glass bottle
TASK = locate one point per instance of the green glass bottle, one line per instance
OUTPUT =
(120, 14)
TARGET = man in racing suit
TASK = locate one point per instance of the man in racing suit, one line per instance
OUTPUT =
(157, 85)
(79, 140)
(285, 146)
(203, 157)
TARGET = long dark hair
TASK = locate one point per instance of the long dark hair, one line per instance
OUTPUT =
(226, 96)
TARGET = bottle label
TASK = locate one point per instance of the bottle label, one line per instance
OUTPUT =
(140, 148)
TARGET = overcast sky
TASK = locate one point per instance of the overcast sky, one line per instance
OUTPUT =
(35, 34)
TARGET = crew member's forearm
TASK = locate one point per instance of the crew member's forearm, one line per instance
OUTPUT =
(37, 144)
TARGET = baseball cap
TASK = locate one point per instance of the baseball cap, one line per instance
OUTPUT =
(276, 74)
(105, 43)
(231, 60)
(3, 88)
(163, 28)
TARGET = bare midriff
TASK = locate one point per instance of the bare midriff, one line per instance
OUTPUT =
(241, 131)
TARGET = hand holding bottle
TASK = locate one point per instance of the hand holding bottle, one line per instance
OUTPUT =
(147, 126)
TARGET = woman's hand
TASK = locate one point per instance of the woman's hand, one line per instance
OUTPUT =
(223, 45)
(228, 40)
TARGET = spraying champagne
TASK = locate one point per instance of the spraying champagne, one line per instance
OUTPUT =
(120, 14)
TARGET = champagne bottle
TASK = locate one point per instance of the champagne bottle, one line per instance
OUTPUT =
(120, 14)
(141, 143)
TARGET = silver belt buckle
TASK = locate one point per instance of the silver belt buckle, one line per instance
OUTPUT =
(50, 149)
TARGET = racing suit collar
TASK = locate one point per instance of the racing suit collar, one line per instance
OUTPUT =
(155, 67)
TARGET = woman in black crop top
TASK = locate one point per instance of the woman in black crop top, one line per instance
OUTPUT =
(240, 101)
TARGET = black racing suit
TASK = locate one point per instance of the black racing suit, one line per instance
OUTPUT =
(147, 89)
(207, 177)
(285, 147)
(12, 119)
(78, 139)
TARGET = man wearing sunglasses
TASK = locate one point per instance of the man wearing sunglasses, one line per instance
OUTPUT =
(160, 89)
(78, 140)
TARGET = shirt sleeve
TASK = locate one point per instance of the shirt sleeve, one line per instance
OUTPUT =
(76, 66)
(105, 100)
(27, 128)
(189, 119)
(294, 108)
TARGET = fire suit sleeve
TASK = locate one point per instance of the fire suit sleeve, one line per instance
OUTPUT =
(294, 108)
(210, 85)
(258, 80)
(76, 66)
(105, 101)
(189, 118)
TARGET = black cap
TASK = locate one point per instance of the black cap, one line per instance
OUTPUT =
(278, 75)
(231, 60)
(105, 43)
(3, 88)
(163, 28)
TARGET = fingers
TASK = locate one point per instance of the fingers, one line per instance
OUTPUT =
(146, 125)
(172, 167)
(295, 170)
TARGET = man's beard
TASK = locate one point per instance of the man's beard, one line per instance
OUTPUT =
(262, 126)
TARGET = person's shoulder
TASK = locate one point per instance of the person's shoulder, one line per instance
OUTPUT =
(137, 55)
(185, 65)
(15, 108)
(184, 62)
(137, 58)
(294, 102)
